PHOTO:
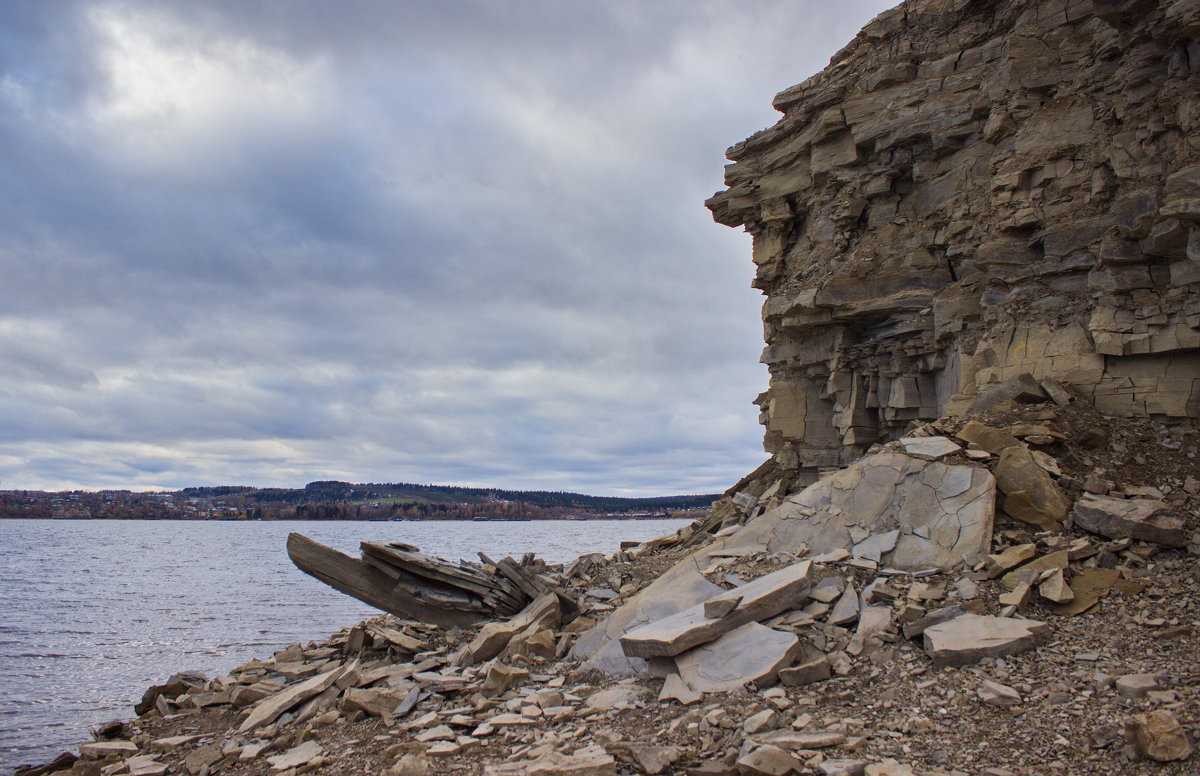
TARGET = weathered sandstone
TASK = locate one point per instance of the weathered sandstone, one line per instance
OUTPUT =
(969, 192)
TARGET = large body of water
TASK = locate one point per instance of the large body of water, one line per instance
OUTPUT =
(94, 611)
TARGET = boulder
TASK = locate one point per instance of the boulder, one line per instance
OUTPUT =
(972, 637)
(1030, 495)
(1142, 519)
(1023, 388)
(1157, 735)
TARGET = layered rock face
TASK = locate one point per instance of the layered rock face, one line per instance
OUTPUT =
(972, 190)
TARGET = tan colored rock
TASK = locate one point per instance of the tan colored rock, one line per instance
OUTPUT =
(1030, 494)
(411, 765)
(1137, 686)
(991, 439)
(1157, 735)
(655, 759)
(1089, 587)
(145, 765)
(971, 637)
(1031, 572)
(201, 759)
(374, 702)
(1009, 559)
(1054, 588)
(500, 677)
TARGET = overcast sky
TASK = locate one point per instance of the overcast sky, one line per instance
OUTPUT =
(269, 242)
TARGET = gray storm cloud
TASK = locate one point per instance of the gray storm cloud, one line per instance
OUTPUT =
(272, 242)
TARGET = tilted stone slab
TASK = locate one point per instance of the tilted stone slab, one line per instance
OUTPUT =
(1138, 518)
(270, 708)
(751, 653)
(759, 599)
(972, 637)
(543, 612)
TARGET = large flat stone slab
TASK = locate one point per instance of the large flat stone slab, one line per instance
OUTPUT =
(1143, 519)
(756, 600)
(972, 637)
(751, 653)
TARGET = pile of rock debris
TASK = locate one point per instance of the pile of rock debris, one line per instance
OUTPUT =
(987, 595)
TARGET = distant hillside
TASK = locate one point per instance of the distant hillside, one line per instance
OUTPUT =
(332, 500)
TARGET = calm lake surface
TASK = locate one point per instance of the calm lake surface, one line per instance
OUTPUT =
(94, 611)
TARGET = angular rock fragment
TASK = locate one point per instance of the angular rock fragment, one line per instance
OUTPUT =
(845, 611)
(296, 756)
(972, 637)
(1055, 589)
(1022, 388)
(996, 694)
(101, 749)
(1009, 559)
(1089, 586)
(815, 670)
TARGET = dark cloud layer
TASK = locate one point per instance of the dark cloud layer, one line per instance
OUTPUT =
(272, 242)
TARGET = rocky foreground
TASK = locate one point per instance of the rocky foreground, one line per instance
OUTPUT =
(887, 620)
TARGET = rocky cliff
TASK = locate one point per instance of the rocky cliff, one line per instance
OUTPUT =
(972, 190)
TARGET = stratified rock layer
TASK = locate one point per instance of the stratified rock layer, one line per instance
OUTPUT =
(973, 190)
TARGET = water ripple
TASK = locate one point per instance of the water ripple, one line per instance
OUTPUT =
(95, 610)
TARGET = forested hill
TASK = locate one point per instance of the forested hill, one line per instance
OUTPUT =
(332, 491)
(331, 500)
